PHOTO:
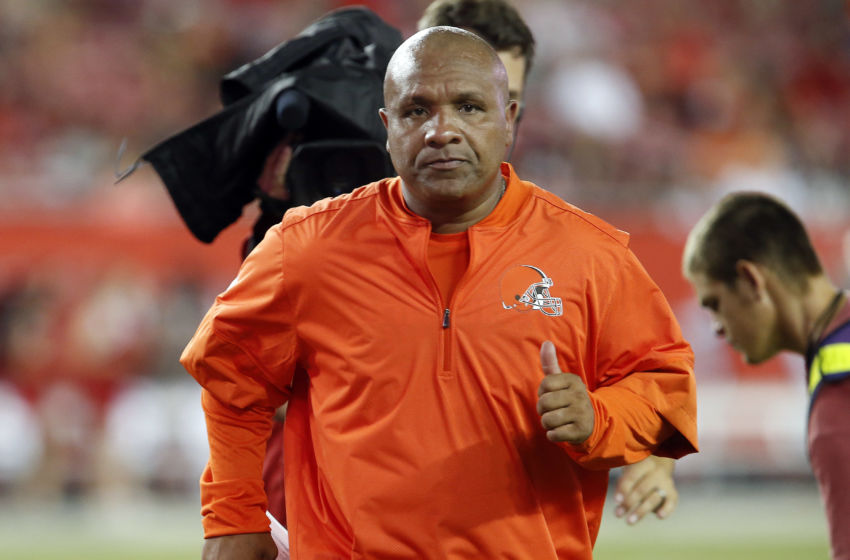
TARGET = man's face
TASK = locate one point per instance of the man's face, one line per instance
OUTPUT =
(515, 65)
(748, 322)
(448, 127)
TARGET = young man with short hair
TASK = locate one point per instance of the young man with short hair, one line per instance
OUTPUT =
(753, 267)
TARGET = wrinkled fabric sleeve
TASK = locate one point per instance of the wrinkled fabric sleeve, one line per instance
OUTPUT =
(243, 355)
(644, 396)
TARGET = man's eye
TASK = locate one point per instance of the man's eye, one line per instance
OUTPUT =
(469, 108)
(415, 112)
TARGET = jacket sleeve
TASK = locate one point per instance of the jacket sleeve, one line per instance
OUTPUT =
(644, 392)
(243, 356)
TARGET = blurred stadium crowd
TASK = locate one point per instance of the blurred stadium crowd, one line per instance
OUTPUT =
(641, 112)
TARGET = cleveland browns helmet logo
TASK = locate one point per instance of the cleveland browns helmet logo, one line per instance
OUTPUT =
(526, 288)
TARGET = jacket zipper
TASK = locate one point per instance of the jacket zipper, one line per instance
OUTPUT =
(447, 341)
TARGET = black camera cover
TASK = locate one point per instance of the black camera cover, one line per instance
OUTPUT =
(338, 64)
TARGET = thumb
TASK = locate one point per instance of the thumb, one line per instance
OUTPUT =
(549, 358)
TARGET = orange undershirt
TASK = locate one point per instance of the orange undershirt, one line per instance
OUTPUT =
(448, 257)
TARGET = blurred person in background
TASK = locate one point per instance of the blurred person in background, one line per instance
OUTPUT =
(753, 267)
(644, 487)
(380, 457)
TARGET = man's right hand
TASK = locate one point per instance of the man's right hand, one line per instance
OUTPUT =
(248, 546)
(563, 403)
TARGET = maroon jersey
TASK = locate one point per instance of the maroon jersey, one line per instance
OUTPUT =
(828, 367)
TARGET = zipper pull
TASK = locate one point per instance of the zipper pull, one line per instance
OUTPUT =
(446, 319)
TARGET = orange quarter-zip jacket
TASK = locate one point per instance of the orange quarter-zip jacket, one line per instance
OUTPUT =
(412, 429)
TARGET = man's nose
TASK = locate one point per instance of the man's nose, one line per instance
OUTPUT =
(443, 129)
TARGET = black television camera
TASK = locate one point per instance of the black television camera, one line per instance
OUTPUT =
(326, 86)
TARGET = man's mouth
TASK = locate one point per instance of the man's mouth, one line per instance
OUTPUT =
(445, 163)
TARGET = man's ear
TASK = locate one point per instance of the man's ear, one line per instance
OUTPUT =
(382, 112)
(752, 280)
(511, 116)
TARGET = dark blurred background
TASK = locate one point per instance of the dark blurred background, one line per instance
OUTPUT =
(642, 112)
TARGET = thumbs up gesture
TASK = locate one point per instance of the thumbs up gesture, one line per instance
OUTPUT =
(563, 403)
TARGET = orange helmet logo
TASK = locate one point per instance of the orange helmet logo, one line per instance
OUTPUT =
(526, 288)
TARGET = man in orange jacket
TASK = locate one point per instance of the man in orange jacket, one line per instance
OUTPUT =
(643, 487)
(464, 354)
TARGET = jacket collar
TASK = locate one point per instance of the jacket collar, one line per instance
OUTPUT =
(517, 194)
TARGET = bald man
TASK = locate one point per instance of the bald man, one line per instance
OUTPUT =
(464, 354)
